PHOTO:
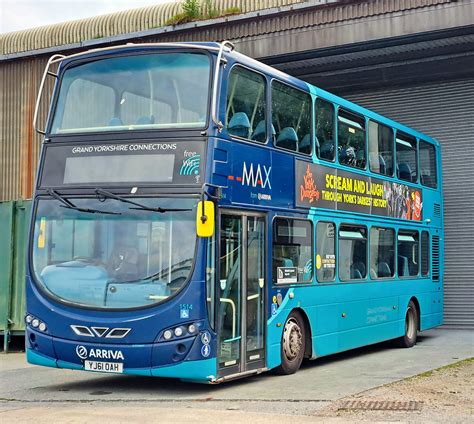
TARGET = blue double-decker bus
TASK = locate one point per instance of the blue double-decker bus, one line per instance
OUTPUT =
(202, 216)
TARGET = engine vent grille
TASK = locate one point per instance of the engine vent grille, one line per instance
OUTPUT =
(435, 257)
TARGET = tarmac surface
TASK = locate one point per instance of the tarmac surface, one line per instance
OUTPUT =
(316, 385)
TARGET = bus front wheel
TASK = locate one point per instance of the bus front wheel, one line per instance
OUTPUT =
(293, 342)
(411, 327)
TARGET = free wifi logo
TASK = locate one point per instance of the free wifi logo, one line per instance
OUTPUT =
(191, 164)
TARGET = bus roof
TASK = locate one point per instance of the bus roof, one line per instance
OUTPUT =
(214, 47)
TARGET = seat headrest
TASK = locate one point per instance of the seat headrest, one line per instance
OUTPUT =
(305, 143)
(384, 270)
(239, 119)
(239, 124)
(260, 130)
(115, 122)
(287, 138)
(359, 266)
(145, 120)
(404, 171)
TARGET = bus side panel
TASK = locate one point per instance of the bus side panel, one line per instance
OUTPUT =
(431, 308)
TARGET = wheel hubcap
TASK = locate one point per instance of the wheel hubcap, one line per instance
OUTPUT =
(292, 339)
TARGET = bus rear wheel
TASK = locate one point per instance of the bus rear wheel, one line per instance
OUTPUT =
(293, 343)
(411, 327)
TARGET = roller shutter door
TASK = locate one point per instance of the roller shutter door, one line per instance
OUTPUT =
(444, 111)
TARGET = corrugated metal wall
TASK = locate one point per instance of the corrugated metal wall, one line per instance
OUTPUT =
(444, 111)
(19, 144)
(128, 21)
(300, 19)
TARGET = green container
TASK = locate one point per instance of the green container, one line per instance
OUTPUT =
(14, 226)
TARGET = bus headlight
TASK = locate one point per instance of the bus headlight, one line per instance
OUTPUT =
(180, 331)
(35, 323)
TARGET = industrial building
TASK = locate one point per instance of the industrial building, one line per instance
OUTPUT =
(411, 60)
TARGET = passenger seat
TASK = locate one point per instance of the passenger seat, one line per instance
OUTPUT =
(403, 266)
(404, 171)
(287, 139)
(239, 125)
(384, 270)
(305, 145)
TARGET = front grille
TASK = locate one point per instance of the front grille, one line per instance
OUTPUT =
(114, 333)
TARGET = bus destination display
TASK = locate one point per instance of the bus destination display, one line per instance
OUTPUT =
(147, 163)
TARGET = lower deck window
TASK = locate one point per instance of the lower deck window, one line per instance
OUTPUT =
(325, 252)
(352, 252)
(382, 252)
(408, 254)
(292, 251)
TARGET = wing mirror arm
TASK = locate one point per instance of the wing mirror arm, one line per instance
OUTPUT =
(203, 212)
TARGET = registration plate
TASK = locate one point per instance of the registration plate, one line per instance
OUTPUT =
(116, 367)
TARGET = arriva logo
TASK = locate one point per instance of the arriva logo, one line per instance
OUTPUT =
(81, 351)
(252, 176)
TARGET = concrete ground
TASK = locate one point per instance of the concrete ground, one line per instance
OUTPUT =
(73, 396)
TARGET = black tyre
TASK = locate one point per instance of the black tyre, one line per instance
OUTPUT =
(411, 327)
(293, 343)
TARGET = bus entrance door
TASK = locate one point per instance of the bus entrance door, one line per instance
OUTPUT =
(241, 293)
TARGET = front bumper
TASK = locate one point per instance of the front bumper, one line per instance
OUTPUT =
(175, 359)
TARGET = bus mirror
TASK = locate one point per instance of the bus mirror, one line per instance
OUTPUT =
(205, 219)
(56, 58)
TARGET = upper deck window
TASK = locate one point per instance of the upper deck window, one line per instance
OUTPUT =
(291, 118)
(427, 164)
(153, 91)
(351, 138)
(406, 158)
(380, 148)
(246, 105)
(325, 141)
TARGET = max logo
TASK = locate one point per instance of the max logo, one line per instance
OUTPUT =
(253, 176)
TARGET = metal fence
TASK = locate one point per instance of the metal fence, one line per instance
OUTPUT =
(14, 223)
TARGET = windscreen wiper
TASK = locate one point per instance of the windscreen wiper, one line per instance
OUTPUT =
(69, 205)
(138, 206)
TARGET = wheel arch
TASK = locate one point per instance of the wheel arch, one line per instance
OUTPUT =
(418, 310)
(308, 333)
